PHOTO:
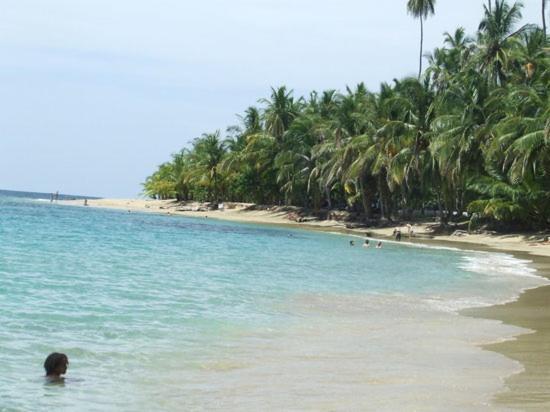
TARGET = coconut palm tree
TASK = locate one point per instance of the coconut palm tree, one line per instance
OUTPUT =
(494, 36)
(472, 133)
(421, 9)
(208, 152)
(281, 110)
(161, 184)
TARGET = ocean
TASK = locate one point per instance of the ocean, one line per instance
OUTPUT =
(159, 312)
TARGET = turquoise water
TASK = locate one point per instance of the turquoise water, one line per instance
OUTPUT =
(139, 300)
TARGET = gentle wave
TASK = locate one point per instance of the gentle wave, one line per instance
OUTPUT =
(495, 264)
(492, 267)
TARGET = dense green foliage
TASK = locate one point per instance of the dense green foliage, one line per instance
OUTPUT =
(471, 135)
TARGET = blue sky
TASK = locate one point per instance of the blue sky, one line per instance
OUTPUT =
(96, 93)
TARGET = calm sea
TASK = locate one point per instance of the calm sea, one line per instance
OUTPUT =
(171, 313)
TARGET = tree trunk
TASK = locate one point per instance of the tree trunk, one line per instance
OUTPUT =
(365, 199)
(421, 44)
(440, 207)
(327, 194)
(215, 187)
(305, 200)
(544, 17)
(385, 210)
(316, 198)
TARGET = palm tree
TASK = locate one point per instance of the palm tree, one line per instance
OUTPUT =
(472, 133)
(180, 169)
(421, 9)
(208, 152)
(495, 33)
(161, 184)
(281, 110)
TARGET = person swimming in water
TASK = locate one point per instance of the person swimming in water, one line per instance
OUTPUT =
(379, 245)
(56, 365)
(366, 244)
(351, 243)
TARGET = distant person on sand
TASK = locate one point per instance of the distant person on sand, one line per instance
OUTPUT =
(85, 202)
(56, 365)
(366, 244)
(398, 235)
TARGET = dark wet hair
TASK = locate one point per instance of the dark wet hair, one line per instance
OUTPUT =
(53, 361)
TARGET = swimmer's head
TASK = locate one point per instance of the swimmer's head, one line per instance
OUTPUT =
(56, 364)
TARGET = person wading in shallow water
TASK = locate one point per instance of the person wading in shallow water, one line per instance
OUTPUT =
(56, 365)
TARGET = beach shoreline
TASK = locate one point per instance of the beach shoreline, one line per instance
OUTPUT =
(527, 389)
(281, 216)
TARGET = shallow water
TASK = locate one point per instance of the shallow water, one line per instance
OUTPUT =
(171, 313)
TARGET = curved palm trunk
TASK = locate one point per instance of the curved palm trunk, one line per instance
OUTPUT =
(421, 45)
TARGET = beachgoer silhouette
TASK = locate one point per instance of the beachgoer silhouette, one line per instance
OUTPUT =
(398, 235)
(351, 243)
(379, 245)
(56, 365)
(366, 244)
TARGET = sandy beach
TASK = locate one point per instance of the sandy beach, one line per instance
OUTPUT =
(528, 390)
(242, 212)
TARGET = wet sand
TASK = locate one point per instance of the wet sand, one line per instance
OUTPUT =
(528, 390)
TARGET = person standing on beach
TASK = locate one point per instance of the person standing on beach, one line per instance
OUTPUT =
(398, 235)
(56, 365)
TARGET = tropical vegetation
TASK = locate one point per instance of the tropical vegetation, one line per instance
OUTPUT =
(469, 137)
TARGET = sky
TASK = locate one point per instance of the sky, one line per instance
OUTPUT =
(95, 94)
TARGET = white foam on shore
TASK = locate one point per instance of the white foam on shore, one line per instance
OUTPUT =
(500, 278)
(497, 264)
(513, 275)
